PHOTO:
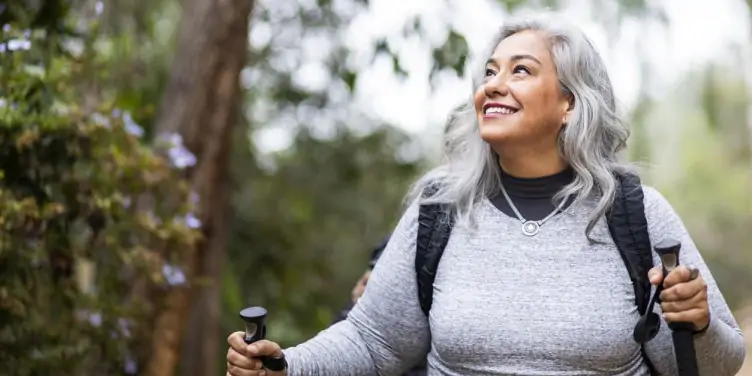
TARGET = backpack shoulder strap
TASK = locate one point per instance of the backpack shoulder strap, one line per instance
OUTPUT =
(629, 230)
(434, 227)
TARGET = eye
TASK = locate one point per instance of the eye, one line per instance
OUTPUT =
(521, 69)
(489, 72)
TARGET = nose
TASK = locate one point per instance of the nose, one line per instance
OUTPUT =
(496, 87)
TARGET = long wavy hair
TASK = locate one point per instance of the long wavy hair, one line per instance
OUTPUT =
(589, 142)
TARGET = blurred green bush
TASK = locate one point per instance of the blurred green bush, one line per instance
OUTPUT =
(93, 220)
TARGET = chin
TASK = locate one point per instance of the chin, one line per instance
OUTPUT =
(496, 132)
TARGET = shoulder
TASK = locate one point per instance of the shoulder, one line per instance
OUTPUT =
(662, 219)
(656, 204)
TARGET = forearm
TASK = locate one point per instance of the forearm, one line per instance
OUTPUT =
(386, 332)
(720, 349)
(337, 351)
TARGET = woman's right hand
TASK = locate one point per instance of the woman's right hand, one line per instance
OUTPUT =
(243, 359)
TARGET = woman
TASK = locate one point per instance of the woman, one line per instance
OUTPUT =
(540, 144)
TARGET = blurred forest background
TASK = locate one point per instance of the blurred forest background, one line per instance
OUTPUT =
(166, 163)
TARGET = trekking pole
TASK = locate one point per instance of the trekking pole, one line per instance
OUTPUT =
(681, 332)
(255, 330)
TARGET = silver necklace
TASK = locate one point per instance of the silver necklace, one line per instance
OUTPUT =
(530, 228)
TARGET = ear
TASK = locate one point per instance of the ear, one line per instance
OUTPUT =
(567, 104)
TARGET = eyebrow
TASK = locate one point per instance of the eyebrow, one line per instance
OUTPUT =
(516, 58)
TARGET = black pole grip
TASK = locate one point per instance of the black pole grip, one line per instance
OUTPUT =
(684, 348)
(682, 333)
(668, 249)
(255, 330)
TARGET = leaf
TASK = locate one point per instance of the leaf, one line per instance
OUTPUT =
(398, 70)
(350, 78)
(453, 54)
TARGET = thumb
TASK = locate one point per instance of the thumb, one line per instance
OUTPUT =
(655, 275)
(264, 348)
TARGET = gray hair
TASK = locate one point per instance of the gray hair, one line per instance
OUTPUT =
(589, 142)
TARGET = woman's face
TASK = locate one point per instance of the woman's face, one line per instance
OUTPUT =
(520, 102)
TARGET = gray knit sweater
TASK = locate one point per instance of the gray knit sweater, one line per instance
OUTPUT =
(508, 304)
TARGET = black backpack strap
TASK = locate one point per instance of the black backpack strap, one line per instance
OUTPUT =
(629, 230)
(434, 227)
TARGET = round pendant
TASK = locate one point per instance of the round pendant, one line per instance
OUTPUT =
(530, 228)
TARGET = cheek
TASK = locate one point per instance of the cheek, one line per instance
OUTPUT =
(542, 102)
(479, 98)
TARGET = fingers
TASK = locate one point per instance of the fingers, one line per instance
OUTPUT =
(264, 348)
(684, 290)
(680, 275)
(697, 316)
(237, 371)
(685, 298)
(239, 360)
(360, 286)
(696, 301)
(655, 275)
(237, 342)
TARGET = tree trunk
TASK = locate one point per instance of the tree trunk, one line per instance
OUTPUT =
(201, 102)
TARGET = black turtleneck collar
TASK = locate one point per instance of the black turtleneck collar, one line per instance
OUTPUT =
(532, 196)
(536, 188)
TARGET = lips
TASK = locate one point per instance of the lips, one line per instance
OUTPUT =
(498, 109)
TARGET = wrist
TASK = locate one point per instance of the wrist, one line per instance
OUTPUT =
(699, 329)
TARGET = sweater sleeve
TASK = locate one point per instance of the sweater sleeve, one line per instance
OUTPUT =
(386, 332)
(720, 349)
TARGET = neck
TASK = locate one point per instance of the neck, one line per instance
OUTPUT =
(532, 165)
(544, 187)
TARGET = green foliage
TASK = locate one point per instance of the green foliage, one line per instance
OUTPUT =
(94, 222)
(453, 54)
(303, 230)
(701, 172)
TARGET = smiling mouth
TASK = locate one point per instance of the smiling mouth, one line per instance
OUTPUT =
(495, 109)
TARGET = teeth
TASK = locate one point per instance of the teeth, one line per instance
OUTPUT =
(500, 110)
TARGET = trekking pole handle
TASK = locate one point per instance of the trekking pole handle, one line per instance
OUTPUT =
(255, 330)
(668, 249)
(682, 333)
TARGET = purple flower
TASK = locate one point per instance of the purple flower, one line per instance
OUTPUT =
(99, 8)
(124, 326)
(191, 221)
(94, 318)
(179, 155)
(130, 367)
(131, 127)
(18, 44)
(123, 329)
(100, 119)
(173, 274)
